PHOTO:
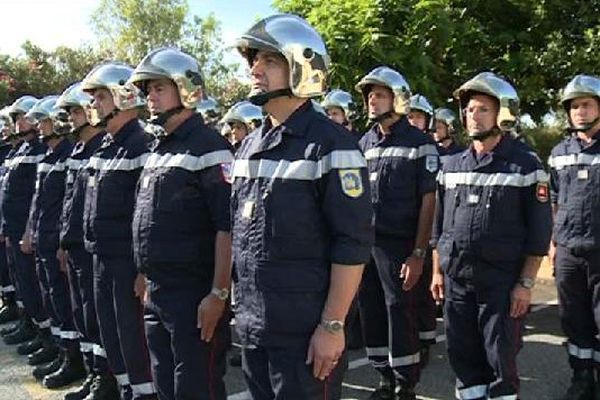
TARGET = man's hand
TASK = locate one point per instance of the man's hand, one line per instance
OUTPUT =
(62, 257)
(139, 287)
(552, 253)
(210, 312)
(411, 271)
(26, 246)
(324, 351)
(437, 287)
(521, 298)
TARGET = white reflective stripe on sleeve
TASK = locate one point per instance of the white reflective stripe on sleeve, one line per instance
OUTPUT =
(122, 379)
(404, 360)
(452, 179)
(378, 351)
(86, 347)
(143, 389)
(427, 335)
(20, 304)
(55, 331)
(8, 289)
(99, 351)
(70, 335)
(411, 153)
(46, 167)
(472, 392)
(118, 164)
(580, 353)
(26, 160)
(505, 397)
(560, 162)
(43, 324)
(76, 164)
(299, 169)
(188, 161)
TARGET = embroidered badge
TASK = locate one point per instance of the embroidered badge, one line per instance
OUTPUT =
(226, 169)
(431, 163)
(351, 182)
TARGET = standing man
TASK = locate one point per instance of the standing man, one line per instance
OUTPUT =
(243, 118)
(575, 249)
(109, 201)
(403, 163)
(181, 225)
(19, 188)
(445, 133)
(302, 220)
(492, 228)
(100, 384)
(421, 113)
(340, 107)
(42, 236)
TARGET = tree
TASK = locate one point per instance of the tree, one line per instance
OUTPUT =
(129, 29)
(439, 44)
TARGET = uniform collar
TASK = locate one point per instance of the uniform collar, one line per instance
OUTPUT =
(192, 124)
(122, 134)
(396, 129)
(269, 137)
(502, 150)
(583, 146)
(62, 147)
(295, 124)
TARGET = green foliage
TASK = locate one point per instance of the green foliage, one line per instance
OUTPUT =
(438, 44)
(129, 29)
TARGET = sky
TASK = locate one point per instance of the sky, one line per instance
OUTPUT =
(51, 23)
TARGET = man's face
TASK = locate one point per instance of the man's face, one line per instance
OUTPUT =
(269, 72)
(45, 126)
(102, 102)
(238, 130)
(336, 114)
(481, 114)
(77, 117)
(583, 111)
(380, 100)
(21, 123)
(418, 119)
(162, 95)
(441, 131)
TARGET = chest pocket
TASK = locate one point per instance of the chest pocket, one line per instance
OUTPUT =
(295, 216)
(178, 190)
(400, 178)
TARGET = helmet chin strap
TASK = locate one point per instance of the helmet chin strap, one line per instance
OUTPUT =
(442, 140)
(584, 127)
(77, 131)
(104, 121)
(481, 136)
(382, 117)
(162, 118)
(260, 99)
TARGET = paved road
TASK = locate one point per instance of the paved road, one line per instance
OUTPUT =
(542, 364)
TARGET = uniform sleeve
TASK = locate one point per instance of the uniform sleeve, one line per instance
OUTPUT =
(217, 189)
(438, 217)
(346, 205)
(538, 215)
(554, 186)
(428, 164)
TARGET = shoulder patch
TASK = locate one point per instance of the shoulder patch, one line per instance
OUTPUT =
(542, 192)
(351, 182)
(431, 163)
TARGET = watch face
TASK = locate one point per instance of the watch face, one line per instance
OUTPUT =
(336, 325)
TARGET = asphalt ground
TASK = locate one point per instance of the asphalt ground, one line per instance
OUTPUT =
(542, 365)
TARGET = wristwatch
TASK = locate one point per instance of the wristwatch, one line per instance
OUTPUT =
(332, 325)
(419, 252)
(527, 283)
(222, 294)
